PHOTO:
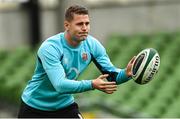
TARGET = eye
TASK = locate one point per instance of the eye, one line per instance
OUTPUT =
(87, 23)
(80, 24)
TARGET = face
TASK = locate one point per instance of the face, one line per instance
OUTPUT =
(78, 28)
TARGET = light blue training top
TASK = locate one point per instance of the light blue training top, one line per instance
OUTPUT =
(57, 68)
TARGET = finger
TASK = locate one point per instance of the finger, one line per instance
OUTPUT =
(110, 89)
(107, 87)
(109, 92)
(109, 83)
(130, 64)
(104, 76)
(110, 86)
(132, 60)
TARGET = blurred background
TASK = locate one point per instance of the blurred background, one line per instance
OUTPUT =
(124, 27)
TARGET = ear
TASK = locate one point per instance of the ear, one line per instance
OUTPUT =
(66, 25)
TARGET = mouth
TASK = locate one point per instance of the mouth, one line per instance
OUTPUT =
(83, 33)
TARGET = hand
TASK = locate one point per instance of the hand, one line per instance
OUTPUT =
(129, 67)
(102, 85)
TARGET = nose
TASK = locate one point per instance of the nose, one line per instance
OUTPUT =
(84, 27)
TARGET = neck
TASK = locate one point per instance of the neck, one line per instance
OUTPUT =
(71, 41)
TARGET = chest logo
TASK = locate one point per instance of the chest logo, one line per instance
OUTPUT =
(84, 56)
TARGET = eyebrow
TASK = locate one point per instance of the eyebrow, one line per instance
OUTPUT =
(82, 23)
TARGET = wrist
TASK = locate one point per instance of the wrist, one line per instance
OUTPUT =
(92, 84)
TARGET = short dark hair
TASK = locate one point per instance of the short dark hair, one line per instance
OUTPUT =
(75, 9)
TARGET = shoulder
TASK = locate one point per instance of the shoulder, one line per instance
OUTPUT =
(91, 39)
(54, 40)
(93, 42)
(51, 44)
(95, 46)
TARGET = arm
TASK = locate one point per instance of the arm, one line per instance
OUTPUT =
(102, 61)
(50, 60)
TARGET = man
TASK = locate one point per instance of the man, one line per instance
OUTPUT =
(60, 60)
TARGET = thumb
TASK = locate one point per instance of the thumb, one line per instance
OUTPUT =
(129, 67)
(131, 62)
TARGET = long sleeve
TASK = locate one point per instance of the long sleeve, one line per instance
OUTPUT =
(102, 61)
(50, 59)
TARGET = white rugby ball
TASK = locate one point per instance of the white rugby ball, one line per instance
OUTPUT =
(145, 66)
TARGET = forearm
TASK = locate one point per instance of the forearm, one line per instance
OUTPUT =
(122, 77)
(64, 85)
